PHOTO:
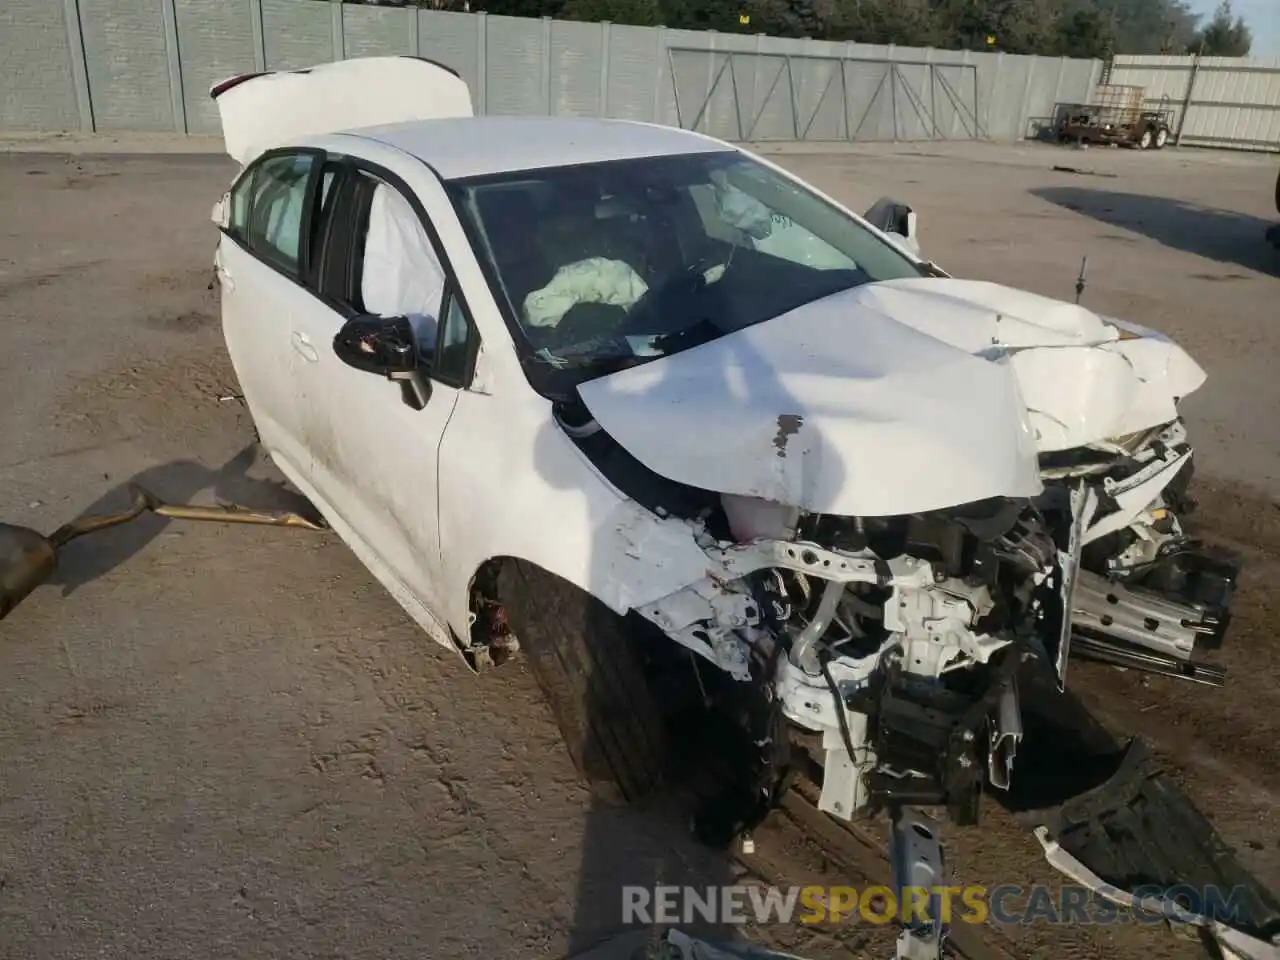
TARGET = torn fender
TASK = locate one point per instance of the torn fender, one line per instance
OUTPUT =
(547, 504)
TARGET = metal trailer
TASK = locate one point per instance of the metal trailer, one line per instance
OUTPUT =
(1117, 114)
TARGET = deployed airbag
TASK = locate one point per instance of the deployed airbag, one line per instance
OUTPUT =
(402, 277)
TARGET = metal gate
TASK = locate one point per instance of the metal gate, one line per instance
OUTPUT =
(752, 97)
(1218, 101)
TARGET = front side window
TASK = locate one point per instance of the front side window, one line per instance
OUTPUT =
(454, 354)
(607, 265)
(400, 275)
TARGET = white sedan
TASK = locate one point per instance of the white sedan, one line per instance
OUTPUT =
(725, 460)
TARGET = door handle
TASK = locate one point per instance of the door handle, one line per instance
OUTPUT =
(302, 344)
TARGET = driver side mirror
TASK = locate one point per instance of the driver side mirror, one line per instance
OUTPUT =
(388, 348)
(899, 221)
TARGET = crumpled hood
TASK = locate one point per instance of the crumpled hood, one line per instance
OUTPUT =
(1085, 378)
(976, 315)
(837, 407)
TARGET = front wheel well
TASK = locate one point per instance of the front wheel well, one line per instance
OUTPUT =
(487, 623)
(490, 641)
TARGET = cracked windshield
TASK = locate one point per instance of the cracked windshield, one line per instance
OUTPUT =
(603, 266)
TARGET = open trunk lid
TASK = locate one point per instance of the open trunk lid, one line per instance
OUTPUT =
(260, 111)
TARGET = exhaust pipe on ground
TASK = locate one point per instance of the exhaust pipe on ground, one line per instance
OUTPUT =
(29, 558)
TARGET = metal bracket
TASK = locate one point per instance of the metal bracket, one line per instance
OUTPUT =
(917, 860)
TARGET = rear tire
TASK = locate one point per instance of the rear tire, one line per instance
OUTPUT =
(1162, 137)
(1147, 139)
(588, 662)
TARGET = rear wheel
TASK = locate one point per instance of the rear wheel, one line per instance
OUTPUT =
(588, 662)
(1147, 139)
(1162, 137)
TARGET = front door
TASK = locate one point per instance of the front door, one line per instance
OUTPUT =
(373, 457)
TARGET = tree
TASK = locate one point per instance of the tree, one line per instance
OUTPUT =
(1073, 28)
(903, 22)
(1149, 26)
(1012, 26)
(641, 13)
(723, 15)
(519, 8)
(793, 18)
(1086, 34)
(1226, 35)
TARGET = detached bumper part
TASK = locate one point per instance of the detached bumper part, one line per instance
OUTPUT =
(1139, 830)
(1161, 624)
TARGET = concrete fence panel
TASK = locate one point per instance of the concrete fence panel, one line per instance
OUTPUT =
(128, 64)
(38, 50)
(215, 41)
(1229, 102)
(147, 65)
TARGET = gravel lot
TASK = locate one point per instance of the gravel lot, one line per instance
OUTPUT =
(218, 741)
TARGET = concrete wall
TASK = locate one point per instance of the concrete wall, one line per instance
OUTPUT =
(147, 65)
(1217, 101)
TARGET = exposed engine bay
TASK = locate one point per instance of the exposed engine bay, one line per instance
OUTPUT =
(889, 649)
(897, 640)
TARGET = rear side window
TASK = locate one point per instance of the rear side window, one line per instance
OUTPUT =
(241, 194)
(268, 208)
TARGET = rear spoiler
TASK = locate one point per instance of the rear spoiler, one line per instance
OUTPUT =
(270, 108)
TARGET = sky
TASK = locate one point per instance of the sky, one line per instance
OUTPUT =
(1263, 16)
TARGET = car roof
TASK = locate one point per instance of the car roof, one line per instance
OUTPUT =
(461, 147)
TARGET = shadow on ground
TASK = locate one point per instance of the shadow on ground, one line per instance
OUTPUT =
(83, 561)
(1221, 235)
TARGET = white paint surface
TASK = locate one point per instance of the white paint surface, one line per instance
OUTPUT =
(276, 109)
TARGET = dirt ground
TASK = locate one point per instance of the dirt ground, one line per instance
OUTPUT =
(223, 741)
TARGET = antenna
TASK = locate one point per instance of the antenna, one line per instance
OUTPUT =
(1082, 279)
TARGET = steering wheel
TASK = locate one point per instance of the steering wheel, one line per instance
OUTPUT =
(645, 315)
(584, 322)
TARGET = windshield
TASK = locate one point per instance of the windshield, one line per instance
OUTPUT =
(603, 266)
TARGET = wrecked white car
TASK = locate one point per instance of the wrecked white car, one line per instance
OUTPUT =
(648, 387)
(725, 460)
(755, 488)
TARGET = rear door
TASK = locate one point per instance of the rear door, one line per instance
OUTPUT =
(262, 266)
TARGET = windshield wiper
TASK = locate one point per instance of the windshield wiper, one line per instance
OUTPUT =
(697, 333)
(593, 363)
(609, 363)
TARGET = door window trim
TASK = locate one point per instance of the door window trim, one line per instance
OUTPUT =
(452, 288)
(302, 273)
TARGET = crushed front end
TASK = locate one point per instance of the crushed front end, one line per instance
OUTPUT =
(891, 645)
(1150, 596)
(892, 650)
